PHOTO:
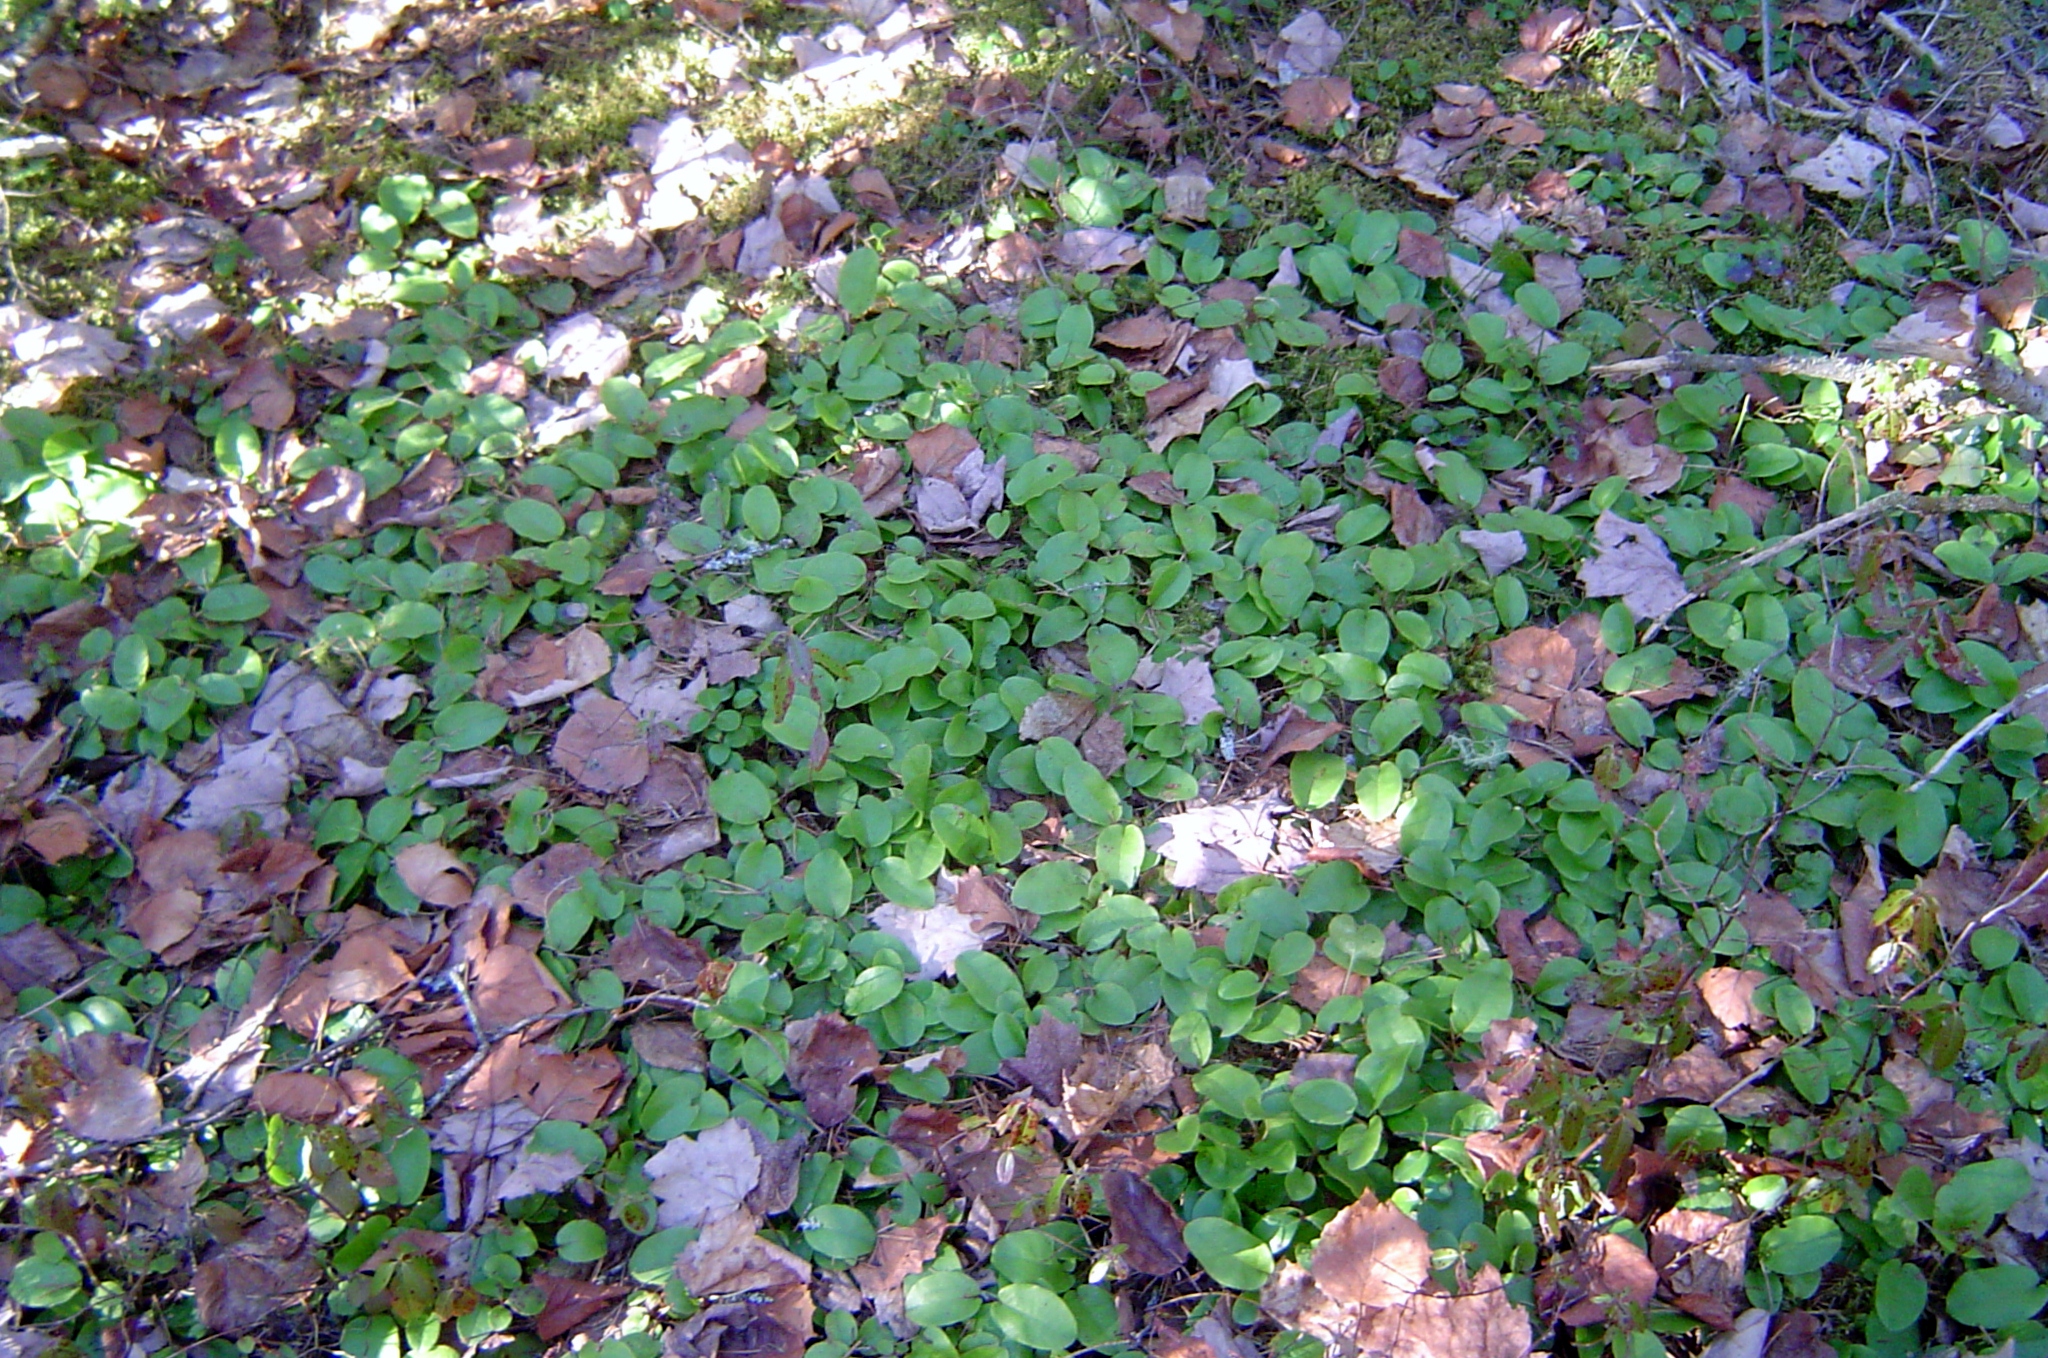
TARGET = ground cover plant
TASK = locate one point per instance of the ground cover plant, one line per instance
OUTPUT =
(1184, 679)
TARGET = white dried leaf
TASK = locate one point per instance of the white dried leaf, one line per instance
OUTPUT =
(704, 1178)
(1497, 551)
(1846, 167)
(936, 937)
(586, 346)
(1210, 847)
(1310, 47)
(1422, 165)
(1631, 562)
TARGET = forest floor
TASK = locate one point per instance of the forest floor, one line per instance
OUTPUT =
(1144, 677)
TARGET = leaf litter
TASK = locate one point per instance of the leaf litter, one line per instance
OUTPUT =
(241, 843)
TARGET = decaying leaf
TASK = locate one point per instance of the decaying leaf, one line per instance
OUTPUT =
(701, 1179)
(601, 746)
(827, 1054)
(1632, 563)
(1847, 167)
(1368, 1291)
(1174, 26)
(936, 937)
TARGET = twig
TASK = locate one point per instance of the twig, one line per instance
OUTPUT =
(1920, 46)
(1974, 734)
(2007, 384)
(35, 37)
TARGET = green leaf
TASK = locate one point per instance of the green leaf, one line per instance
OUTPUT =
(1901, 1294)
(740, 797)
(469, 725)
(1563, 361)
(237, 601)
(1233, 1256)
(404, 196)
(534, 520)
(1327, 1103)
(580, 1242)
(1487, 993)
(1979, 1192)
(1539, 304)
(828, 883)
(939, 1299)
(1090, 795)
(1802, 1245)
(1035, 1317)
(859, 276)
(1993, 1298)
(839, 1233)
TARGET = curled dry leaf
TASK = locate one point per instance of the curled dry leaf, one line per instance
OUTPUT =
(546, 668)
(1174, 26)
(432, 872)
(900, 1251)
(827, 1055)
(1632, 563)
(1143, 1224)
(600, 745)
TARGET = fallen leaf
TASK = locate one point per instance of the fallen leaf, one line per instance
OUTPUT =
(900, 1251)
(1532, 70)
(827, 1054)
(1209, 847)
(1847, 167)
(1497, 550)
(1143, 1224)
(1175, 27)
(1315, 105)
(1549, 29)
(432, 872)
(300, 1096)
(544, 668)
(1191, 683)
(600, 745)
(703, 1179)
(936, 937)
(1631, 562)
(542, 881)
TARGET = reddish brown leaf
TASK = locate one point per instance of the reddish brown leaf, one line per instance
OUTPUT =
(1422, 254)
(1402, 379)
(571, 1303)
(1415, 523)
(1314, 105)
(1534, 70)
(1144, 1224)
(600, 746)
(827, 1055)
(1549, 29)
(542, 881)
(300, 1096)
(1157, 487)
(432, 872)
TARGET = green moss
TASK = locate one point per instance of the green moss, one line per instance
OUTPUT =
(72, 220)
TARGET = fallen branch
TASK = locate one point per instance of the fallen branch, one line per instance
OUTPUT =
(1976, 733)
(2007, 384)
(1851, 518)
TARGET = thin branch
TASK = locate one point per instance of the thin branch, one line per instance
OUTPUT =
(1974, 734)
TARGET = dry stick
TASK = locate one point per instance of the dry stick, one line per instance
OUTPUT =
(1974, 734)
(1920, 46)
(2009, 385)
